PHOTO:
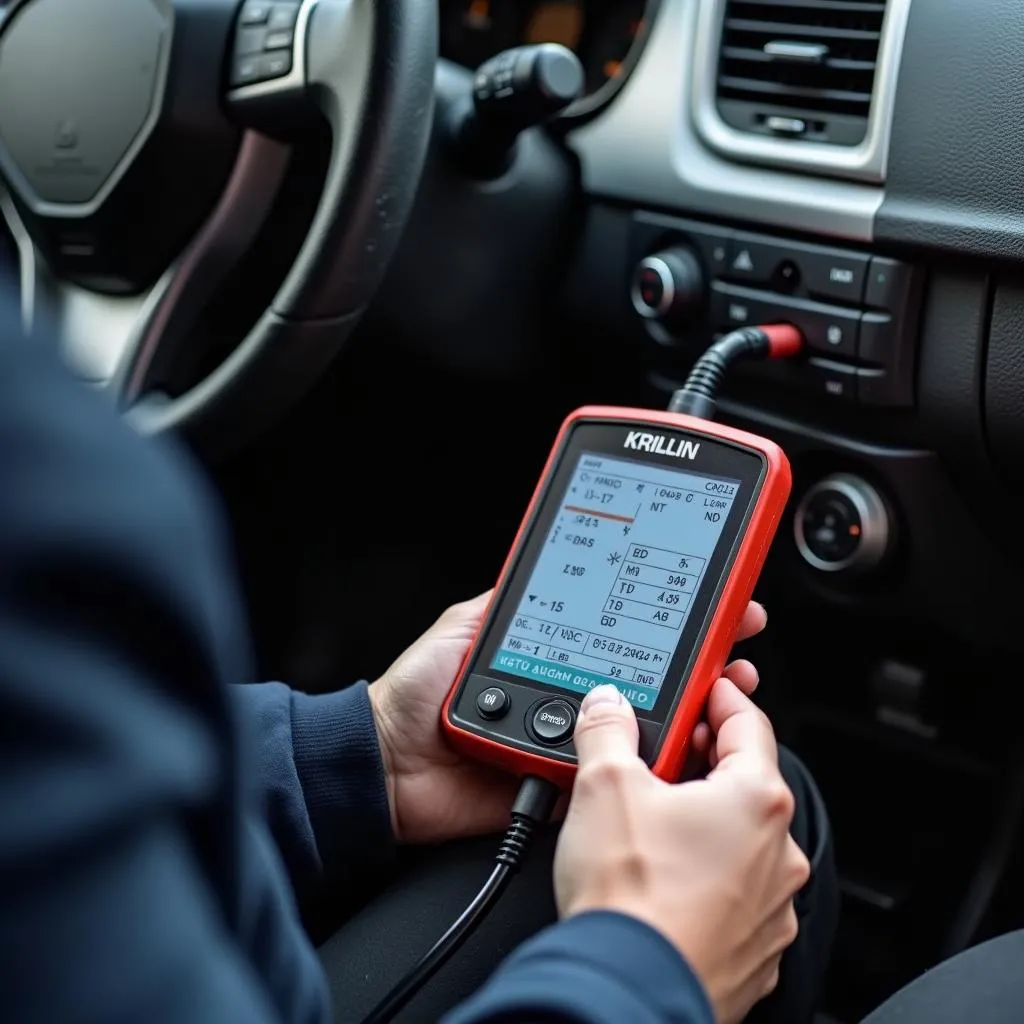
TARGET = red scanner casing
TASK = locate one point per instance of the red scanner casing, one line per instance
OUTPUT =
(752, 549)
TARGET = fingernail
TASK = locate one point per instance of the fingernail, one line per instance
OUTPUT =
(764, 611)
(604, 694)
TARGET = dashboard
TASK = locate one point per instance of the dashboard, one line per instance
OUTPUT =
(605, 34)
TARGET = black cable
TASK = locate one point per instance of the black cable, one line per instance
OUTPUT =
(699, 395)
(532, 807)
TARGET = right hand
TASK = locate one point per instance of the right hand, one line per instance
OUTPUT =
(709, 864)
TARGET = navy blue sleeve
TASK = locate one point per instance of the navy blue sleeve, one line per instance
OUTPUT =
(134, 883)
(597, 968)
(320, 780)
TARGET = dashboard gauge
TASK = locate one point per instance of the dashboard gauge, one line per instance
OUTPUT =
(613, 37)
(555, 21)
(473, 31)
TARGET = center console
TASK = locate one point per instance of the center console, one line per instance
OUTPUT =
(858, 312)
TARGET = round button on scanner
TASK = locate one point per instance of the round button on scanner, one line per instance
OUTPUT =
(492, 703)
(553, 721)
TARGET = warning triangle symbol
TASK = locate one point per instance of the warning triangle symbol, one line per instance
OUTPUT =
(743, 261)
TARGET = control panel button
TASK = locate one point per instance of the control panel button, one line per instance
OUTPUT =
(493, 703)
(553, 721)
(878, 340)
(652, 288)
(831, 527)
(713, 247)
(838, 277)
(752, 260)
(888, 284)
(826, 329)
(833, 381)
(668, 286)
(842, 523)
(882, 343)
(832, 331)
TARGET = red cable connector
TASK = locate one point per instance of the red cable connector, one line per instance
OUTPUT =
(699, 395)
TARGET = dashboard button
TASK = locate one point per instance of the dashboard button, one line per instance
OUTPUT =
(832, 381)
(888, 284)
(737, 307)
(553, 721)
(713, 247)
(839, 277)
(493, 703)
(831, 331)
(886, 343)
(752, 260)
(878, 339)
(826, 329)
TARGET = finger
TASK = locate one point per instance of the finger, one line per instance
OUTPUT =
(466, 615)
(755, 618)
(700, 744)
(606, 729)
(739, 725)
(743, 675)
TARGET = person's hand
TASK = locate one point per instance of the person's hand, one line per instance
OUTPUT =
(435, 794)
(710, 864)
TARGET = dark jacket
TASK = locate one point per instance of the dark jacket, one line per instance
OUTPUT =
(157, 824)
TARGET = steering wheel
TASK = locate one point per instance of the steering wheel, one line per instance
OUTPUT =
(144, 144)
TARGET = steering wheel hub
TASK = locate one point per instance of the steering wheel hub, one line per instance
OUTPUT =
(95, 71)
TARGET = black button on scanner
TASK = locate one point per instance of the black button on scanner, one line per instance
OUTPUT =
(492, 703)
(553, 721)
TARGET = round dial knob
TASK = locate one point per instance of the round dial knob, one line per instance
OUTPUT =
(668, 286)
(843, 524)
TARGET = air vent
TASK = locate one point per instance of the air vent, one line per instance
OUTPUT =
(799, 69)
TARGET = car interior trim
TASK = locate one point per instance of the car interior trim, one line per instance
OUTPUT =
(866, 162)
(646, 149)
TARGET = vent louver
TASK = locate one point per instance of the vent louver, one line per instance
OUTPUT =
(801, 69)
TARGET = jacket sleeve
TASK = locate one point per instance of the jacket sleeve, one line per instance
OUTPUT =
(321, 781)
(598, 968)
(128, 889)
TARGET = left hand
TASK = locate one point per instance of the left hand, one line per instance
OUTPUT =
(435, 794)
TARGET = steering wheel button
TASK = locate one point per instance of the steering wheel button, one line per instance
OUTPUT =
(492, 703)
(553, 721)
(255, 12)
(282, 16)
(246, 71)
(279, 40)
(276, 65)
(250, 40)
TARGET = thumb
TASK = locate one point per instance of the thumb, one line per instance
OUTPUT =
(606, 729)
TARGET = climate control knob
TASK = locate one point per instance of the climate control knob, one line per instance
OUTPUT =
(843, 524)
(668, 286)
